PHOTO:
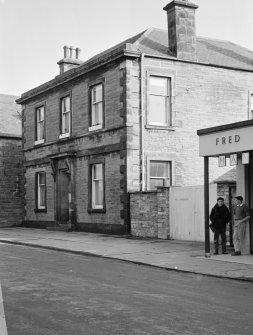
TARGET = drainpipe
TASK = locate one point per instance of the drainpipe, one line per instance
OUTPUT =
(141, 126)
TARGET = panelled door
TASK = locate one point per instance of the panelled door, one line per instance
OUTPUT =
(63, 197)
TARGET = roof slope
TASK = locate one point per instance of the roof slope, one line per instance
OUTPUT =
(10, 122)
(154, 42)
(211, 51)
(227, 177)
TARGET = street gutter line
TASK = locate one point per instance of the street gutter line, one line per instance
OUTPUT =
(3, 327)
(86, 253)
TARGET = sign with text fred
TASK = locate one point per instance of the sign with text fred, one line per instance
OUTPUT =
(227, 141)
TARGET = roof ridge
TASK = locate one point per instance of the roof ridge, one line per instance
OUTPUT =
(144, 34)
(213, 39)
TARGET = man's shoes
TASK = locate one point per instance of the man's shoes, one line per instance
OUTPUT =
(236, 253)
(224, 252)
(216, 253)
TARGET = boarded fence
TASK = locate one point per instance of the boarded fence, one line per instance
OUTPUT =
(170, 212)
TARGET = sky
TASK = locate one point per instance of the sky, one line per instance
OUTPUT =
(33, 32)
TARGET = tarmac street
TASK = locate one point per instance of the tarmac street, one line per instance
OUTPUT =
(181, 256)
(57, 293)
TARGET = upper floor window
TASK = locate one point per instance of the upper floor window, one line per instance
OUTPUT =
(41, 190)
(97, 107)
(40, 125)
(159, 101)
(65, 117)
(159, 174)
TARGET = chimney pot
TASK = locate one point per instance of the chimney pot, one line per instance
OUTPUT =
(72, 49)
(71, 59)
(66, 51)
(78, 52)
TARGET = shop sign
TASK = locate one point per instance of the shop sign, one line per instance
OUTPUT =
(245, 158)
(222, 161)
(233, 159)
(226, 142)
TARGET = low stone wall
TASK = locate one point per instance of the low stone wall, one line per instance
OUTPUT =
(150, 213)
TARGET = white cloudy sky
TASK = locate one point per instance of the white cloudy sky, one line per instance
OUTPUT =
(33, 32)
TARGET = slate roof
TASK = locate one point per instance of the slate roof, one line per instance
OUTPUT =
(10, 123)
(228, 177)
(154, 42)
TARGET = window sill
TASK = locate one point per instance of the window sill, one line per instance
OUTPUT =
(39, 142)
(153, 126)
(93, 128)
(64, 135)
(40, 210)
(96, 210)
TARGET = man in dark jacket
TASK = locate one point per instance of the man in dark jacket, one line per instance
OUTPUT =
(219, 217)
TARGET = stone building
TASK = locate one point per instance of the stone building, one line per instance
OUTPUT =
(126, 120)
(11, 180)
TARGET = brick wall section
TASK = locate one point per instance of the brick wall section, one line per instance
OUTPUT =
(112, 191)
(150, 213)
(82, 143)
(11, 182)
(204, 96)
(30, 213)
(130, 139)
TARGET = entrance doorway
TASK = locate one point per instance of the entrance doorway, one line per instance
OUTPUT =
(63, 197)
(63, 193)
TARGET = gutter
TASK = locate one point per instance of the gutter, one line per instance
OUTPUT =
(127, 50)
(13, 136)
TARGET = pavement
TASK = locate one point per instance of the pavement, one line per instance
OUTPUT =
(183, 256)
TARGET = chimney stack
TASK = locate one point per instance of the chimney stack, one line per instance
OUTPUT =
(70, 60)
(181, 29)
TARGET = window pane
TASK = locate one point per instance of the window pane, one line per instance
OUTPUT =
(158, 169)
(97, 93)
(98, 169)
(66, 104)
(158, 85)
(65, 123)
(157, 109)
(40, 114)
(42, 197)
(156, 182)
(42, 178)
(40, 130)
(98, 196)
(97, 114)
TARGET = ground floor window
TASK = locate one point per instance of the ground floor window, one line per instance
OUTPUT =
(159, 174)
(97, 185)
(41, 190)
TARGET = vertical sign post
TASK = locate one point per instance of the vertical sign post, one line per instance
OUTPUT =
(206, 201)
